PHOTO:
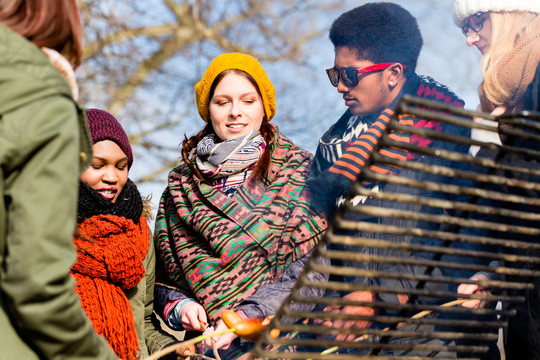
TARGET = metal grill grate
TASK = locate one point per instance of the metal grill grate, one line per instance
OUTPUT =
(401, 243)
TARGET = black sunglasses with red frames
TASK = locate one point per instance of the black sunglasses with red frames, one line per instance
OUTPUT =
(475, 23)
(349, 75)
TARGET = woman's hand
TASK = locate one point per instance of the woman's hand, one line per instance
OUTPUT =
(499, 110)
(222, 341)
(487, 136)
(469, 289)
(193, 317)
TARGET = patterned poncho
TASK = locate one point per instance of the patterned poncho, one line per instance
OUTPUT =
(219, 250)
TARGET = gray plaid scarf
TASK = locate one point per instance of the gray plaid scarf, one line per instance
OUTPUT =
(227, 164)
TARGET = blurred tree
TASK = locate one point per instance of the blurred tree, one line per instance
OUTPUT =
(143, 57)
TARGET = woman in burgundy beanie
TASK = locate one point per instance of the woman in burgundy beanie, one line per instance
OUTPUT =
(104, 126)
(114, 271)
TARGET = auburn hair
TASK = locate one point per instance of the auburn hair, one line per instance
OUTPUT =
(54, 24)
(267, 132)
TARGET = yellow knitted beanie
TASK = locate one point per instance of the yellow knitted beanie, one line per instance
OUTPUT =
(240, 62)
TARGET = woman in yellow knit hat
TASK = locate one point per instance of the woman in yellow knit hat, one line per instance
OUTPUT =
(234, 226)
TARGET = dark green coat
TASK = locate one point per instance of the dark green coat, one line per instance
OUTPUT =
(44, 147)
(141, 298)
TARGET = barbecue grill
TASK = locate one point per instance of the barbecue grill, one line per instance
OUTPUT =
(402, 242)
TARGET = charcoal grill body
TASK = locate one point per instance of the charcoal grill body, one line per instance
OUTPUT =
(412, 237)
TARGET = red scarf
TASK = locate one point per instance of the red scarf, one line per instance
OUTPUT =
(110, 255)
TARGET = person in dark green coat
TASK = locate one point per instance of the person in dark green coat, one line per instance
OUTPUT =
(44, 147)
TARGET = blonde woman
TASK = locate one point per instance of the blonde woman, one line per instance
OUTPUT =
(507, 33)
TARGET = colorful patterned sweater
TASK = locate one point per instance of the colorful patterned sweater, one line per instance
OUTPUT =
(220, 250)
(347, 145)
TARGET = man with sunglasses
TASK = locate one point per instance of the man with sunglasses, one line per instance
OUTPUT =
(376, 51)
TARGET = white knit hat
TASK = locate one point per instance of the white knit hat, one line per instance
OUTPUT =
(465, 8)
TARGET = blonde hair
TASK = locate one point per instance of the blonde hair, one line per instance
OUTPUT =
(507, 28)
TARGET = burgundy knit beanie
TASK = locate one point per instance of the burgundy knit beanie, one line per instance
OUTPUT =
(104, 126)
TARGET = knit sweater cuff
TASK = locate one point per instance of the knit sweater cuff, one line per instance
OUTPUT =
(173, 312)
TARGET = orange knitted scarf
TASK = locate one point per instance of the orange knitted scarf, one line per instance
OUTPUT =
(110, 255)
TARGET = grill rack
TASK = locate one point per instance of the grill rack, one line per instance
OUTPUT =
(415, 241)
